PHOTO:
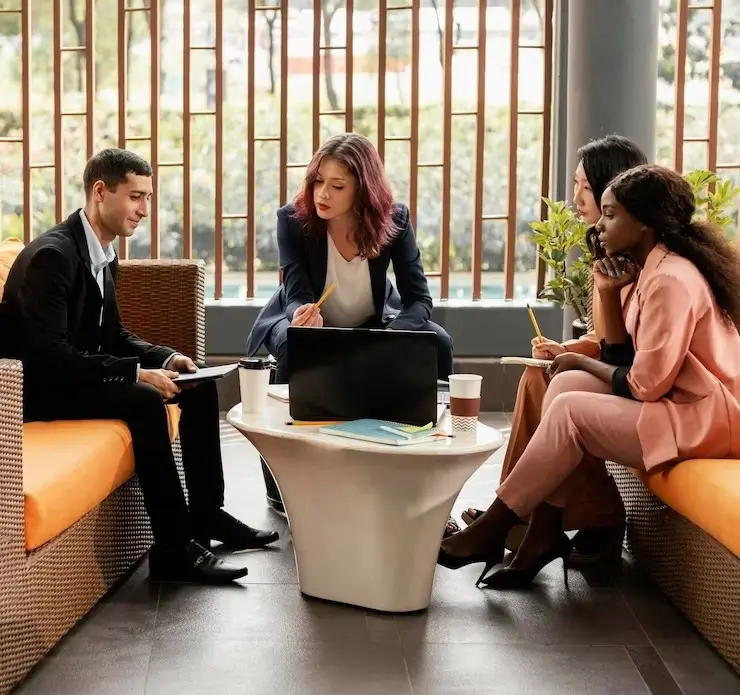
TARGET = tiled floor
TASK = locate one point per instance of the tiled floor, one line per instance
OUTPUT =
(262, 637)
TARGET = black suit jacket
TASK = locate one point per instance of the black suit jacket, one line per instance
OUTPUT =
(52, 303)
(303, 262)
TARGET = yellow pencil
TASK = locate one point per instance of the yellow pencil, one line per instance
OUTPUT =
(534, 324)
(327, 292)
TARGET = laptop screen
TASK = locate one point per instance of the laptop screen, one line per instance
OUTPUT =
(347, 374)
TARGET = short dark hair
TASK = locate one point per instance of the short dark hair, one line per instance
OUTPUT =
(606, 157)
(112, 166)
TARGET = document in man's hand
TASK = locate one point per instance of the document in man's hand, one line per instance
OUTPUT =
(205, 374)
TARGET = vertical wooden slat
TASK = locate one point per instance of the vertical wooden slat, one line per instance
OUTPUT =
(714, 75)
(122, 93)
(349, 67)
(444, 282)
(414, 139)
(187, 182)
(26, 106)
(316, 71)
(56, 30)
(219, 166)
(682, 19)
(546, 129)
(154, 28)
(480, 147)
(90, 76)
(284, 101)
(382, 66)
(251, 237)
(510, 258)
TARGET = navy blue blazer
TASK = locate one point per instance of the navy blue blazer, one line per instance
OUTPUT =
(303, 262)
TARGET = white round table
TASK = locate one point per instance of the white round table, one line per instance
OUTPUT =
(366, 519)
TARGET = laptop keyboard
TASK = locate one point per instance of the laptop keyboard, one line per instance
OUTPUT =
(443, 397)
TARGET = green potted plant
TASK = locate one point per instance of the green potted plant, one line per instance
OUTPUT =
(562, 236)
(557, 237)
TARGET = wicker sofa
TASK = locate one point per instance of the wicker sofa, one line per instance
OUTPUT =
(682, 529)
(45, 591)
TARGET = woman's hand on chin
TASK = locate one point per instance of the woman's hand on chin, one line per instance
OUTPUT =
(613, 273)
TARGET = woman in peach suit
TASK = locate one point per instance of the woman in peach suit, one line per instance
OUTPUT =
(595, 505)
(666, 387)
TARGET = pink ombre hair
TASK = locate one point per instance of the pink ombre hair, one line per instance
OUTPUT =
(373, 198)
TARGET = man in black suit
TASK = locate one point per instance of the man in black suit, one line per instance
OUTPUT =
(81, 363)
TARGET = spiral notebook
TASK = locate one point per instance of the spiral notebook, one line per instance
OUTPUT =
(527, 361)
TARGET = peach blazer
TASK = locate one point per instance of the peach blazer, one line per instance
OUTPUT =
(686, 369)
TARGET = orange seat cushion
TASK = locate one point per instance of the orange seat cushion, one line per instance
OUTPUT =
(70, 467)
(707, 493)
(9, 250)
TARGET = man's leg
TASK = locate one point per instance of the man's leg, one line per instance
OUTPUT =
(174, 556)
(201, 457)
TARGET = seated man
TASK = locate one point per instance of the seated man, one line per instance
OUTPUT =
(81, 363)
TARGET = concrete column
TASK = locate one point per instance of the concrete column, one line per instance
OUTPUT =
(611, 76)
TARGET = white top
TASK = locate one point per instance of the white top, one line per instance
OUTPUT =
(100, 257)
(272, 421)
(351, 302)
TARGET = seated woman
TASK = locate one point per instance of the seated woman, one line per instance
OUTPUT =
(665, 390)
(343, 227)
(594, 503)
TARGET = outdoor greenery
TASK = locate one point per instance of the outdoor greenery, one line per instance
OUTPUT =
(562, 238)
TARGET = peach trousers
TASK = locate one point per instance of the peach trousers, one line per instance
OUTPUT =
(561, 461)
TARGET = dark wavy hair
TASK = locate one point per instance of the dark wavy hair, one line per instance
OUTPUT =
(660, 198)
(602, 160)
(373, 204)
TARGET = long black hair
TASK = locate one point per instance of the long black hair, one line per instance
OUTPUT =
(602, 160)
(660, 198)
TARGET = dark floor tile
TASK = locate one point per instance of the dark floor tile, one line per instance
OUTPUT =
(382, 629)
(663, 623)
(478, 669)
(135, 587)
(106, 667)
(225, 667)
(699, 670)
(257, 613)
(544, 614)
(653, 671)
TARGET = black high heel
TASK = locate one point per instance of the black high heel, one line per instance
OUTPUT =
(515, 578)
(454, 562)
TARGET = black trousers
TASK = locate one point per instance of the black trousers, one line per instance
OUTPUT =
(141, 407)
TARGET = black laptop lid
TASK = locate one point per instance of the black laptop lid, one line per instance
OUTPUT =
(352, 373)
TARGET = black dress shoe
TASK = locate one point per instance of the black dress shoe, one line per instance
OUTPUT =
(191, 564)
(232, 533)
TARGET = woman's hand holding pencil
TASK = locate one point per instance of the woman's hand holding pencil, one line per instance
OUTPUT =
(309, 315)
(543, 348)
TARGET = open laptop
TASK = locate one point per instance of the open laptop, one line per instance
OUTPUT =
(353, 373)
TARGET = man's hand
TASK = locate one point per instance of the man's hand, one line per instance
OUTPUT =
(161, 379)
(308, 315)
(565, 362)
(181, 363)
(547, 349)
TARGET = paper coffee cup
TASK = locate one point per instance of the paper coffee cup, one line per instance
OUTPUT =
(465, 402)
(254, 379)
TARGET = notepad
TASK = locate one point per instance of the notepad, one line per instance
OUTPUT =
(205, 374)
(280, 392)
(527, 361)
(385, 432)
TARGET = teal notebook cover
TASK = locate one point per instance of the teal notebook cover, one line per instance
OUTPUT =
(384, 432)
